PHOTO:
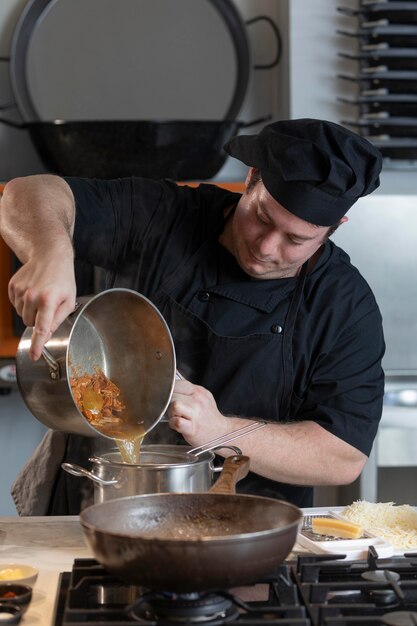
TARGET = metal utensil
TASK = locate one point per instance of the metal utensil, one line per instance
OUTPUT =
(235, 434)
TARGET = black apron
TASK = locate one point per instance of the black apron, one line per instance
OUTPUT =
(248, 376)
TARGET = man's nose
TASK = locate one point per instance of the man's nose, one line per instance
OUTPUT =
(269, 244)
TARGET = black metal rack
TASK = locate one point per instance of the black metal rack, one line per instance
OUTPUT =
(386, 76)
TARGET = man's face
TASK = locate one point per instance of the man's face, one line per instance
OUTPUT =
(267, 240)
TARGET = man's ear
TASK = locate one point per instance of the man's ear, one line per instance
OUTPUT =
(249, 176)
(343, 220)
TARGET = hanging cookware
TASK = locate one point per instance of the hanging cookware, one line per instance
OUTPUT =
(164, 72)
(119, 332)
(193, 542)
(393, 12)
(387, 125)
(176, 149)
(397, 148)
(395, 81)
(403, 105)
(161, 468)
(379, 58)
(403, 36)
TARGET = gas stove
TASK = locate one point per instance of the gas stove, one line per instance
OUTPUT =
(309, 591)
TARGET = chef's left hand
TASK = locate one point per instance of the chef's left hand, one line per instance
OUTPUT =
(193, 412)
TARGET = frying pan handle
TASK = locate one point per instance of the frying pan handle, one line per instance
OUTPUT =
(234, 469)
(278, 54)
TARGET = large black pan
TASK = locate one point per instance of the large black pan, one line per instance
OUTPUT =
(177, 149)
(186, 542)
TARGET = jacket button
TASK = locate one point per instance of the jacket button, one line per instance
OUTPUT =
(276, 329)
(203, 296)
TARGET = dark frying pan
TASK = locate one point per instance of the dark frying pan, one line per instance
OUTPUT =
(177, 149)
(390, 58)
(403, 105)
(186, 542)
(391, 35)
(392, 81)
(390, 126)
(394, 12)
(398, 148)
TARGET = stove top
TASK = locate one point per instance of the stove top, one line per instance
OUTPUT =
(314, 590)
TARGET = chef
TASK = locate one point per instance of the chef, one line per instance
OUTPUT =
(269, 317)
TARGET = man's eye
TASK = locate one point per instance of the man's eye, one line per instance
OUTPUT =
(295, 242)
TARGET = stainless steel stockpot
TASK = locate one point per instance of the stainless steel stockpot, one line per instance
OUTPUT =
(118, 331)
(163, 469)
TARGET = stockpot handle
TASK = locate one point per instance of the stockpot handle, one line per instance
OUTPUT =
(77, 470)
(218, 468)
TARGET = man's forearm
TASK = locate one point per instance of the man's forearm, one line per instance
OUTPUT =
(301, 453)
(36, 214)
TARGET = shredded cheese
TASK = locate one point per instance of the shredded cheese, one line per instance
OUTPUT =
(397, 524)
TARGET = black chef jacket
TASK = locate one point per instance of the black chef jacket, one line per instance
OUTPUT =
(141, 230)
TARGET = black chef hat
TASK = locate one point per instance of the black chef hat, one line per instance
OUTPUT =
(316, 169)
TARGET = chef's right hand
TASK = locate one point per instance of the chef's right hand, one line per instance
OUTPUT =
(43, 292)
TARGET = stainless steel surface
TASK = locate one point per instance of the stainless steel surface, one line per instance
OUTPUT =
(162, 469)
(239, 432)
(118, 331)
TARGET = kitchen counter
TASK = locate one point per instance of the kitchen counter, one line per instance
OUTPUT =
(50, 544)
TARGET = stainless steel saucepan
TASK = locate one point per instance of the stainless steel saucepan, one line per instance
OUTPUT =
(118, 331)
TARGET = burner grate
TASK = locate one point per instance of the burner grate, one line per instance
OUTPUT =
(312, 591)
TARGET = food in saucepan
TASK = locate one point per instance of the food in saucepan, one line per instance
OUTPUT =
(97, 397)
(99, 400)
